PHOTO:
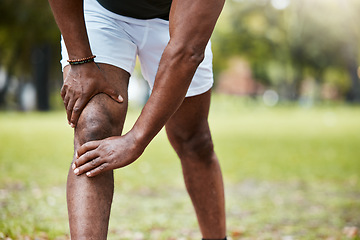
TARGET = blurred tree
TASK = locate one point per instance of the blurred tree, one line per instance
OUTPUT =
(28, 34)
(316, 38)
(286, 45)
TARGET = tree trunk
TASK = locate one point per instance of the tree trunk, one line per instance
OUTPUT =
(41, 61)
(354, 92)
(3, 91)
(9, 73)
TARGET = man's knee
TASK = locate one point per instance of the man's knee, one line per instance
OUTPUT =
(196, 144)
(101, 118)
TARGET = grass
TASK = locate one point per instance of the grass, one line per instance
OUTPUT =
(290, 173)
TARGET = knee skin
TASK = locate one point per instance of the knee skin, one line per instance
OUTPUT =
(101, 118)
(198, 144)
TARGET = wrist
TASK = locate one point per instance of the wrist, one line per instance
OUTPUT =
(134, 144)
(84, 67)
(139, 138)
(79, 50)
(79, 61)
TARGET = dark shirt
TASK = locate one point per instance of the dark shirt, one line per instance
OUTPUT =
(141, 9)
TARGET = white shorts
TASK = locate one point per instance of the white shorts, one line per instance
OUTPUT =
(117, 40)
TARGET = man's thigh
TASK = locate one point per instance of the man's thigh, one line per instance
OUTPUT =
(103, 117)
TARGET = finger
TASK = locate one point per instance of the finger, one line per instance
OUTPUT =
(86, 147)
(63, 91)
(66, 100)
(115, 95)
(77, 109)
(120, 99)
(69, 108)
(100, 169)
(86, 157)
(88, 166)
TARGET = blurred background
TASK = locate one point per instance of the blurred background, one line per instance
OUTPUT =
(285, 119)
(303, 51)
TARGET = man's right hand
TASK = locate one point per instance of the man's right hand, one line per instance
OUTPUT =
(85, 80)
(82, 83)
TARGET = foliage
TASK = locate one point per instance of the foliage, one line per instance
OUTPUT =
(307, 38)
(24, 26)
(290, 173)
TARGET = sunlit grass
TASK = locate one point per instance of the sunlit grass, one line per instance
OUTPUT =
(289, 172)
(285, 143)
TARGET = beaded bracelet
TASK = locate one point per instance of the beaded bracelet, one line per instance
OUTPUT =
(81, 60)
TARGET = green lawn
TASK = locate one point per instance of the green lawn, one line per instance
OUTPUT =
(290, 173)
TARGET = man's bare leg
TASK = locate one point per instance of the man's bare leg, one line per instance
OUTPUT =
(89, 199)
(189, 134)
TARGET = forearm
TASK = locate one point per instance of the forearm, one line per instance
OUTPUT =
(69, 17)
(173, 78)
(178, 63)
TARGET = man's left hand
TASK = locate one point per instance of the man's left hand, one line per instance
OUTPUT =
(96, 157)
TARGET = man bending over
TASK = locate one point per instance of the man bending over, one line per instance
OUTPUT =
(100, 42)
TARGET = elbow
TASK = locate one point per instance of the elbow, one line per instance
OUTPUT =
(191, 55)
(194, 55)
